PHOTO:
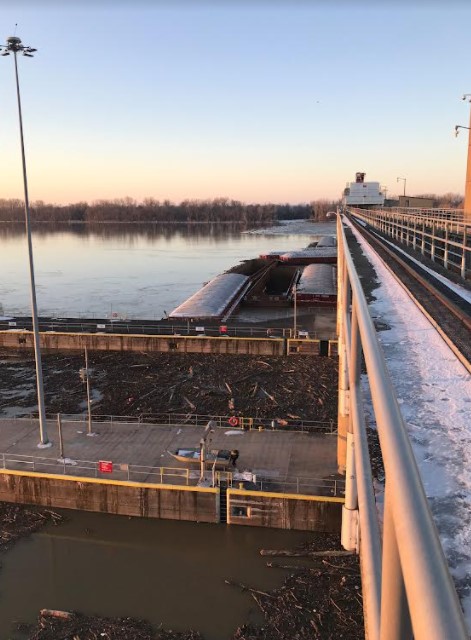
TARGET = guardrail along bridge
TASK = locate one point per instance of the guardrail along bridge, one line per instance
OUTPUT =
(407, 587)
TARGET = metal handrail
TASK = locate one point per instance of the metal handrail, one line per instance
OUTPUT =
(433, 212)
(439, 239)
(413, 578)
(180, 475)
(248, 423)
(133, 326)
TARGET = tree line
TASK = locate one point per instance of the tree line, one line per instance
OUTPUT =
(446, 201)
(154, 211)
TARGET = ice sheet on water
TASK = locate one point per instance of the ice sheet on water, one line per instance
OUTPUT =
(296, 227)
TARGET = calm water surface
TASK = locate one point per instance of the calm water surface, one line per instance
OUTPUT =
(133, 271)
(166, 572)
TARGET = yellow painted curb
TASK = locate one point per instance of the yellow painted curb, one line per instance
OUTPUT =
(295, 496)
(118, 483)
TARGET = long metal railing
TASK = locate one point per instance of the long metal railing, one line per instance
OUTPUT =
(407, 587)
(444, 241)
(123, 326)
(243, 423)
(438, 213)
(128, 472)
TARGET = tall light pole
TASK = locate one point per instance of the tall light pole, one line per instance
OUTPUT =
(15, 46)
(405, 180)
(467, 191)
(85, 377)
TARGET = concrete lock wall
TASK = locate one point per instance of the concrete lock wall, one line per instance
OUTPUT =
(126, 342)
(164, 344)
(121, 498)
(284, 511)
(168, 502)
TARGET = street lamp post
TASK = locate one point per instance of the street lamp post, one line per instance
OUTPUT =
(405, 180)
(467, 190)
(84, 374)
(15, 46)
(295, 321)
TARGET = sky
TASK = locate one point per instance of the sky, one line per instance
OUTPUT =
(262, 102)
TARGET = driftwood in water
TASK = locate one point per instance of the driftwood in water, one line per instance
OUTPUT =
(292, 567)
(55, 613)
(288, 553)
(246, 588)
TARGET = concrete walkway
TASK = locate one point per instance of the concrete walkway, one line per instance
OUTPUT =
(272, 455)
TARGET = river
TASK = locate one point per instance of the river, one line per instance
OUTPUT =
(134, 271)
(166, 572)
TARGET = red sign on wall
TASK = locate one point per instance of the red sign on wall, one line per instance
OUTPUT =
(223, 328)
(105, 466)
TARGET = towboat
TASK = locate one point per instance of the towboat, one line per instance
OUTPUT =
(192, 455)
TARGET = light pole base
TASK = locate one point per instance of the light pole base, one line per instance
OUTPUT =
(45, 445)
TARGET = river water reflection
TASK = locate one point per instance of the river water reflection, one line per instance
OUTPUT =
(166, 572)
(133, 270)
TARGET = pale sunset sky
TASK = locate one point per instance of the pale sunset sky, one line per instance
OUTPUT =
(258, 101)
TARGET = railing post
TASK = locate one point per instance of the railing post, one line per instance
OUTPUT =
(395, 619)
(422, 250)
(61, 441)
(350, 508)
(414, 239)
(432, 249)
(445, 254)
(463, 256)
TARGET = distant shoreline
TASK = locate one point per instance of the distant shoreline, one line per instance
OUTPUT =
(145, 222)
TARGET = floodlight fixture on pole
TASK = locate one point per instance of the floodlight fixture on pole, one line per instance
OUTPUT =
(458, 127)
(405, 180)
(15, 46)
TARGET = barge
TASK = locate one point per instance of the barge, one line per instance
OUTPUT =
(311, 255)
(317, 284)
(266, 282)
